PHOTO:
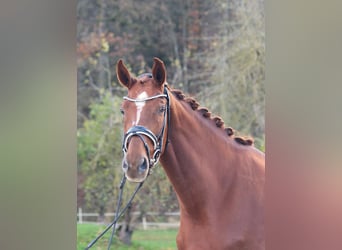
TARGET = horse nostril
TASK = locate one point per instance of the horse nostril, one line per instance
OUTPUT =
(125, 165)
(143, 166)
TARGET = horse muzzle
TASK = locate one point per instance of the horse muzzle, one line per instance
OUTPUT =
(137, 170)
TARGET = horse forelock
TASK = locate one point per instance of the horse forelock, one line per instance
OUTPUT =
(208, 115)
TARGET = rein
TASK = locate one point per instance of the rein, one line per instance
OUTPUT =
(117, 214)
(139, 131)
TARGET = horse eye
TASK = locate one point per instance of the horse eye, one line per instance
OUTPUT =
(122, 111)
(162, 109)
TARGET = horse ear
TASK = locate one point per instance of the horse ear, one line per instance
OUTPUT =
(123, 74)
(159, 71)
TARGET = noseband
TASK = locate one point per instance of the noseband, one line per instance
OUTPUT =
(141, 131)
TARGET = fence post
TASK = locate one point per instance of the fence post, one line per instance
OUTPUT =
(80, 219)
(144, 223)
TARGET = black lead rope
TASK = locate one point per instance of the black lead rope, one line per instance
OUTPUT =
(122, 184)
(117, 215)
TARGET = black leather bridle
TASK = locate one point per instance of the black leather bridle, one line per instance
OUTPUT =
(141, 131)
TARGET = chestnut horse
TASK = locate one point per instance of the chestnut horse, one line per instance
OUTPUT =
(218, 178)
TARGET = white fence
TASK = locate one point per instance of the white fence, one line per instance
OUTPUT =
(172, 223)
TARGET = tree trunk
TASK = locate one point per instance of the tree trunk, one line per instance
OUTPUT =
(101, 217)
(126, 230)
(125, 235)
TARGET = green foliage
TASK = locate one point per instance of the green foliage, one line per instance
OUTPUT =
(142, 240)
(99, 151)
(236, 88)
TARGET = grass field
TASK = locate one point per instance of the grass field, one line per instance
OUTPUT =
(141, 240)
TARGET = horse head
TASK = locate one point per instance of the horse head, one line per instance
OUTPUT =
(145, 113)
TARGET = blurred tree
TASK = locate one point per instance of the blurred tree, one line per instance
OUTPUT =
(99, 153)
(236, 90)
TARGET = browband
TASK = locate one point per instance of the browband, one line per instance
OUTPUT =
(145, 99)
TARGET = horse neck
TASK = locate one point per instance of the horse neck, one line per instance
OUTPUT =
(193, 159)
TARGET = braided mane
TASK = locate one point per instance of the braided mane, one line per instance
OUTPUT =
(216, 119)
